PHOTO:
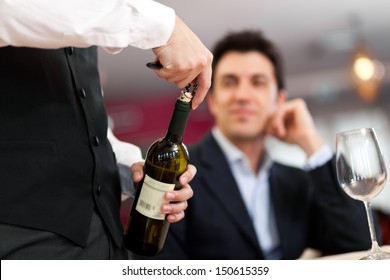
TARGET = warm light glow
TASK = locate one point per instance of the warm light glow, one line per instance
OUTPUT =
(367, 74)
(364, 68)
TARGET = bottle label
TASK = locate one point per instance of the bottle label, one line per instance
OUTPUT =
(152, 198)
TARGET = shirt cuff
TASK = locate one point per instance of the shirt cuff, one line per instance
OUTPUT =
(152, 25)
(319, 158)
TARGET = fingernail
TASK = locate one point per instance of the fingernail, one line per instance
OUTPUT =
(167, 209)
(171, 218)
(170, 196)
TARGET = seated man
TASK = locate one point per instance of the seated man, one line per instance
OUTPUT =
(246, 206)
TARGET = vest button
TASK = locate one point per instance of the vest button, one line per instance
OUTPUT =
(70, 50)
(83, 93)
(99, 190)
(97, 141)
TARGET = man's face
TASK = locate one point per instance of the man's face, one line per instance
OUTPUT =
(244, 95)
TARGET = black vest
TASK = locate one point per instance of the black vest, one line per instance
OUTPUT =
(56, 164)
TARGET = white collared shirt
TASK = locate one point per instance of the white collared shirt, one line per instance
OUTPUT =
(82, 23)
(255, 190)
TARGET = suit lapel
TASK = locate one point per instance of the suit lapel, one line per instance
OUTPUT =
(222, 185)
(281, 212)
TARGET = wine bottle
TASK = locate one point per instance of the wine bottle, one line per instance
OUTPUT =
(166, 160)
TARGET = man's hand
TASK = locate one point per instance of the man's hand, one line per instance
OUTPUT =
(174, 211)
(185, 59)
(293, 123)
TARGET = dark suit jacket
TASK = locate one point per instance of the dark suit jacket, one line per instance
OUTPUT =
(311, 211)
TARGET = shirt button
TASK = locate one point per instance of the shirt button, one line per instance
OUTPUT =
(83, 93)
(99, 190)
(97, 141)
(70, 50)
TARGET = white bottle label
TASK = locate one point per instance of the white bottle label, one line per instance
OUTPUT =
(152, 198)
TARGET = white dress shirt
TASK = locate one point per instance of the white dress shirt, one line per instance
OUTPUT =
(126, 153)
(255, 190)
(82, 23)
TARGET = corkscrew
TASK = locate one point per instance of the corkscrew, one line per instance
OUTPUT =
(189, 90)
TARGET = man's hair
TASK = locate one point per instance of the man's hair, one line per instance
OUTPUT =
(246, 41)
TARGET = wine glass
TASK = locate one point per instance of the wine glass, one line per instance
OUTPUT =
(361, 172)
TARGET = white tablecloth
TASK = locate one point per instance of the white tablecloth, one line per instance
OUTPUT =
(353, 255)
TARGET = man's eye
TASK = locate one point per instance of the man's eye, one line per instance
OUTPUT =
(260, 82)
(229, 82)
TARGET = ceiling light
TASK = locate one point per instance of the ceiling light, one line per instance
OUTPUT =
(367, 74)
(364, 68)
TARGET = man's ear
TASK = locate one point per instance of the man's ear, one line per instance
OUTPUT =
(210, 101)
(282, 96)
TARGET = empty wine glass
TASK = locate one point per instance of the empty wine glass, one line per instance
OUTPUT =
(361, 172)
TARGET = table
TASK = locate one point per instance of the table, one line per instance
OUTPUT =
(352, 255)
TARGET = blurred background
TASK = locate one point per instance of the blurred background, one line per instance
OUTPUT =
(337, 57)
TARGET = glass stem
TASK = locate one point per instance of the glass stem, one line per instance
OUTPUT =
(375, 247)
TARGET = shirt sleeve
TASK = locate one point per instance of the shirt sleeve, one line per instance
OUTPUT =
(319, 158)
(51, 24)
(125, 153)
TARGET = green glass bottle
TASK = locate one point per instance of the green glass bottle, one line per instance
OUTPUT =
(166, 160)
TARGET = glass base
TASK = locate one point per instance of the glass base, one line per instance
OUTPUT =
(379, 255)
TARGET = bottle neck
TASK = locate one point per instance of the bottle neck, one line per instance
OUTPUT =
(178, 122)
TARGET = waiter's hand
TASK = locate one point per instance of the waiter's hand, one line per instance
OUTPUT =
(174, 211)
(185, 59)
